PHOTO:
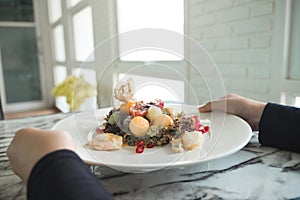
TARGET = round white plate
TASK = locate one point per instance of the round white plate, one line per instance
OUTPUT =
(228, 134)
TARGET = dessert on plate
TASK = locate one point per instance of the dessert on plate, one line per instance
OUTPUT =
(146, 125)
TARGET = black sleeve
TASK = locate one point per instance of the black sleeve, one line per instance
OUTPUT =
(280, 127)
(63, 175)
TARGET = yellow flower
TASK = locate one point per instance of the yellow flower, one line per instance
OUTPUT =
(75, 89)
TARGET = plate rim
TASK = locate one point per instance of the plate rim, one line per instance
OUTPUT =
(147, 167)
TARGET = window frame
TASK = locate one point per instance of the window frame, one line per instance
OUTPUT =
(283, 89)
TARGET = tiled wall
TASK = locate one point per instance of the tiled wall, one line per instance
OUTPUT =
(238, 34)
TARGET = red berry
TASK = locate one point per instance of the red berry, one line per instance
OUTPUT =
(139, 149)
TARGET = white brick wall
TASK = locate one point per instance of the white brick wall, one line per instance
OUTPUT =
(232, 43)
(253, 26)
(238, 36)
(217, 5)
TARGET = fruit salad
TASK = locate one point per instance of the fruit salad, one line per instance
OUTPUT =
(146, 125)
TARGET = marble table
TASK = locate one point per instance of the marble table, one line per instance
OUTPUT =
(255, 172)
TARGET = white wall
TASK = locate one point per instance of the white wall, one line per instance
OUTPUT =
(239, 35)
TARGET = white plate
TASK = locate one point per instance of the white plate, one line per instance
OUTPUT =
(229, 134)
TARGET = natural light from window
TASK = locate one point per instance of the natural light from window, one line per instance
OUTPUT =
(150, 88)
(139, 14)
(84, 35)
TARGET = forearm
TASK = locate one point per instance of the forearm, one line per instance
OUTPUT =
(63, 175)
(280, 127)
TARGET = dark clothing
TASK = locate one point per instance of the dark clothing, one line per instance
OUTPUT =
(280, 127)
(63, 175)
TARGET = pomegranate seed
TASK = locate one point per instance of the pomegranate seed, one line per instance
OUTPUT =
(150, 145)
(204, 129)
(139, 149)
(140, 143)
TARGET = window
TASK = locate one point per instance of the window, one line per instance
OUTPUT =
(83, 35)
(59, 43)
(21, 11)
(22, 87)
(138, 14)
(80, 25)
(72, 28)
(72, 3)
(20, 65)
(54, 9)
(289, 65)
(294, 60)
(154, 77)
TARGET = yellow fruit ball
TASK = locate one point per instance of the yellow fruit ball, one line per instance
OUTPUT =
(125, 107)
(153, 111)
(139, 126)
(163, 120)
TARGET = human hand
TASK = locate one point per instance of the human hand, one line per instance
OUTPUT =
(31, 144)
(248, 109)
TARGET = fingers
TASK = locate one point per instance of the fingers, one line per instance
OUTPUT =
(223, 104)
(205, 108)
(218, 105)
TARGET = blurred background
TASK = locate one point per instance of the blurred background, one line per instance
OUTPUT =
(254, 44)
